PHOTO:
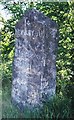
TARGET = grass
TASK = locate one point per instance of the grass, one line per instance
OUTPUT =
(8, 109)
(58, 107)
(0, 104)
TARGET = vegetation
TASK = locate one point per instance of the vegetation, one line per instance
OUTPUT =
(61, 105)
(58, 107)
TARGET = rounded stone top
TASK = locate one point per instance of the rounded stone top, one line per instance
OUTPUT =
(33, 15)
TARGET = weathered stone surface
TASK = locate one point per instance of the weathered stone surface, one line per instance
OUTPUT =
(34, 67)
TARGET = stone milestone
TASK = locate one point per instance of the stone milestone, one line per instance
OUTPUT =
(34, 65)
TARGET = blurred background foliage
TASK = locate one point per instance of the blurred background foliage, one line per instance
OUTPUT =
(63, 14)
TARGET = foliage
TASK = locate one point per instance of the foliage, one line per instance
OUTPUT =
(63, 14)
(60, 14)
